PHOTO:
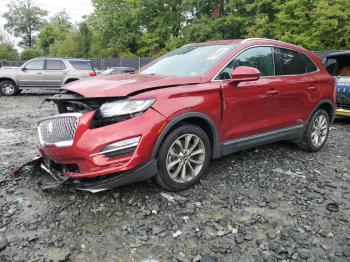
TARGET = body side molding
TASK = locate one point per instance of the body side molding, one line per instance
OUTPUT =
(289, 133)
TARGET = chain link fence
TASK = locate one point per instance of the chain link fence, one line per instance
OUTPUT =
(11, 63)
(137, 62)
(99, 63)
(105, 63)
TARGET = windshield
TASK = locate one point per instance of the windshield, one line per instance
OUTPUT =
(188, 60)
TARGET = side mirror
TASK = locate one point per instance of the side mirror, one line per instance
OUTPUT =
(23, 69)
(244, 74)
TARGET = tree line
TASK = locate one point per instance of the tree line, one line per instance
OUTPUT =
(128, 28)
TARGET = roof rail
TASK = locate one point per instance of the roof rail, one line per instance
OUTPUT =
(252, 39)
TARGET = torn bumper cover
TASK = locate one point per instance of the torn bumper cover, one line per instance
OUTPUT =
(100, 183)
(79, 146)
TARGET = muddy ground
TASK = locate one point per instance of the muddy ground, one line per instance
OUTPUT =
(273, 203)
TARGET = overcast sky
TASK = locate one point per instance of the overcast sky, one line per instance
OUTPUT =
(75, 8)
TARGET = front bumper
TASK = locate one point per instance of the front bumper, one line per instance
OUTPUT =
(106, 182)
(84, 164)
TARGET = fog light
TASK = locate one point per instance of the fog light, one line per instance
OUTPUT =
(119, 148)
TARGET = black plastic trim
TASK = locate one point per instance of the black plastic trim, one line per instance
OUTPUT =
(290, 133)
(325, 101)
(121, 152)
(112, 181)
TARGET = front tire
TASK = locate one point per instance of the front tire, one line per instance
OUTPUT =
(183, 158)
(8, 88)
(317, 131)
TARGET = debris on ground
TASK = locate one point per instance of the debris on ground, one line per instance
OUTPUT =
(274, 203)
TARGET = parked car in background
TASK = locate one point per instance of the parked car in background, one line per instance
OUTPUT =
(338, 65)
(118, 70)
(43, 73)
(197, 103)
(98, 71)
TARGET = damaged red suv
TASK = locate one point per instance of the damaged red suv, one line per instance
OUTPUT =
(197, 103)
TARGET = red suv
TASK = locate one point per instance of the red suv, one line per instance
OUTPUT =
(197, 103)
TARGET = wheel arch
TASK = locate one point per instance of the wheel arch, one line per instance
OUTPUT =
(199, 119)
(71, 79)
(8, 79)
(326, 105)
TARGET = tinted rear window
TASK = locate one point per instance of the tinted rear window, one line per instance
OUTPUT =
(310, 66)
(54, 65)
(81, 65)
(289, 62)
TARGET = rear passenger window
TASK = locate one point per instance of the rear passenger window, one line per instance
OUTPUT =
(289, 62)
(55, 65)
(310, 66)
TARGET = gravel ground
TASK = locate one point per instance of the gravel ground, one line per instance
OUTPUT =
(273, 203)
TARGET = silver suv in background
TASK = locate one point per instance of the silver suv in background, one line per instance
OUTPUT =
(43, 73)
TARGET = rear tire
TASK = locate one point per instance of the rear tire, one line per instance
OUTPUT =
(8, 88)
(317, 131)
(183, 158)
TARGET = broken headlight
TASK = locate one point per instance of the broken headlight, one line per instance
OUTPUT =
(120, 110)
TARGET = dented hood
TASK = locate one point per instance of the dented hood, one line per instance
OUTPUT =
(125, 84)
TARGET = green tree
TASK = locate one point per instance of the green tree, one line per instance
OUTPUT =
(62, 20)
(8, 52)
(116, 25)
(314, 24)
(30, 53)
(7, 49)
(53, 31)
(68, 47)
(24, 19)
(48, 35)
(152, 27)
(84, 39)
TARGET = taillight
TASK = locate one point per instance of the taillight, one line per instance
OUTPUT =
(92, 73)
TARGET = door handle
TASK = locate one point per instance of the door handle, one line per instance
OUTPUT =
(311, 88)
(39, 73)
(272, 92)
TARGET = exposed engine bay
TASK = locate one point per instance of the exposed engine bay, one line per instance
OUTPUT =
(70, 102)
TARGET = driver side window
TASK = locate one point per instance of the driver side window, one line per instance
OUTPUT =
(260, 58)
(35, 65)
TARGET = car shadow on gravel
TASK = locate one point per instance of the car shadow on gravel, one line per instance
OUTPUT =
(150, 187)
(342, 121)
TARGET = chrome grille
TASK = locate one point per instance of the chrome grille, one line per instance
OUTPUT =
(58, 130)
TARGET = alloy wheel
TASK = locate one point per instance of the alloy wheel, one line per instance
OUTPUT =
(319, 131)
(8, 89)
(185, 158)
